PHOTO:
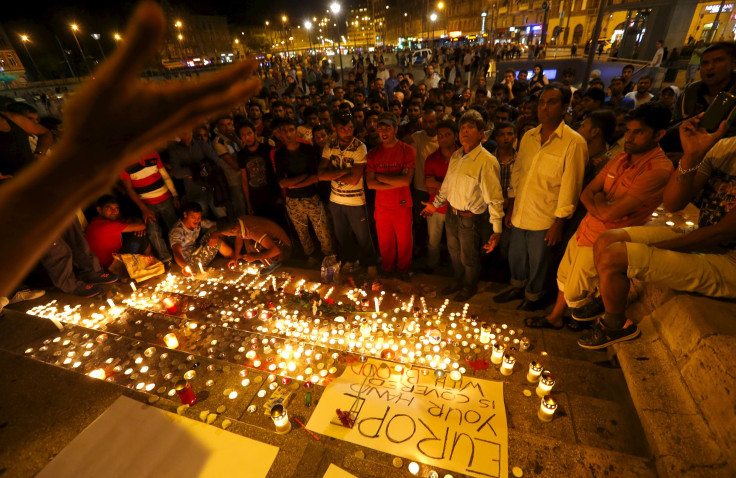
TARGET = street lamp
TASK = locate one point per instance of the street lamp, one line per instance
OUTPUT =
(308, 26)
(25, 40)
(335, 7)
(75, 28)
(433, 18)
(440, 6)
(96, 36)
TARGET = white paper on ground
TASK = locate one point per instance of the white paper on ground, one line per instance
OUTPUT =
(132, 439)
(335, 471)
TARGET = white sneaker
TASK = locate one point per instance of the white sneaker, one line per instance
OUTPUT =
(26, 294)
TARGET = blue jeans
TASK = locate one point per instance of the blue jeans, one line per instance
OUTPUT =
(529, 260)
(165, 220)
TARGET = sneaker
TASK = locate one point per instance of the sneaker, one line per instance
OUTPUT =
(599, 336)
(26, 294)
(590, 311)
(103, 278)
(87, 291)
(514, 293)
(464, 295)
(452, 288)
(270, 269)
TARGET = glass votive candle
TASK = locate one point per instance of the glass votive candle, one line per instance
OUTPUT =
(485, 333)
(546, 382)
(171, 341)
(507, 367)
(547, 408)
(170, 305)
(535, 370)
(456, 375)
(185, 392)
(497, 354)
(280, 419)
(524, 344)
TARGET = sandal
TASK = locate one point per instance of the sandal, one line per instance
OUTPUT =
(541, 322)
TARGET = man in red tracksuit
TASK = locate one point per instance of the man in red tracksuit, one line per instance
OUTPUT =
(390, 171)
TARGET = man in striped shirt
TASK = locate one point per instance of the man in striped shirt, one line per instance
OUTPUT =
(149, 186)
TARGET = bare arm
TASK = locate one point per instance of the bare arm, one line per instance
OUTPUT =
(432, 184)
(397, 180)
(354, 174)
(147, 214)
(178, 256)
(704, 237)
(327, 173)
(374, 183)
(246, 189)
(232, 162)
(135, 225)
(588, 195)
(105, 130)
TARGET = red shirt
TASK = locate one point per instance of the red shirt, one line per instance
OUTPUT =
(392, 160)
(436, 166)
(104, 238)
(644, 179)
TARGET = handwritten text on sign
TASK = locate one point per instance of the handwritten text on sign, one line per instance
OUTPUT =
(456, 425)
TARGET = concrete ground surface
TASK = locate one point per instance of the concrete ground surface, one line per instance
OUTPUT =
(45, 403)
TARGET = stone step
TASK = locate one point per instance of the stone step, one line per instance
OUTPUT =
(680, 439)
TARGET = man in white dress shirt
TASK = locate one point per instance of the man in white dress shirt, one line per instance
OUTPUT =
(472, 186)
(547, 180)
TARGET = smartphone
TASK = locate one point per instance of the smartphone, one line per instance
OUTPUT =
(720, 109)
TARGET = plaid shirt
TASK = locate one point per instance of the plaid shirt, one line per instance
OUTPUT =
(506, 175)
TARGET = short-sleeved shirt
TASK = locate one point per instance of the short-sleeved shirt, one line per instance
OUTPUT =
(354, 153)
(289, 164)
(257, 164)
(104, 238)
(382, 160)
(180, 234)
(719, 193)
(146, 179)
(436, 166)
(644, 180)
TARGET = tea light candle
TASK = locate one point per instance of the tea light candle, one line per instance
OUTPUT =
(497, 354)
(546, 382)
(185, 392)
(535, 370)
(456, 375)
(547, 408)
(170, 305)
(413, 467)
(485, 333)
(97, 373)
(280, 419)
(171, 341)
(507, 367)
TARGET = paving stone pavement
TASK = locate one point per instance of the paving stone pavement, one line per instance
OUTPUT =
(44, 405)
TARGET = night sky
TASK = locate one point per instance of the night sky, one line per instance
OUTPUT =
(44, 21)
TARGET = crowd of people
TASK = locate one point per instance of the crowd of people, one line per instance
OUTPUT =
(536, 178)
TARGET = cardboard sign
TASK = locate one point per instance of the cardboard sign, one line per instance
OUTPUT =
(455, 425)
(133, 439)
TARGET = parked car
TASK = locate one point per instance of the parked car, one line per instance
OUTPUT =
(420, 57)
